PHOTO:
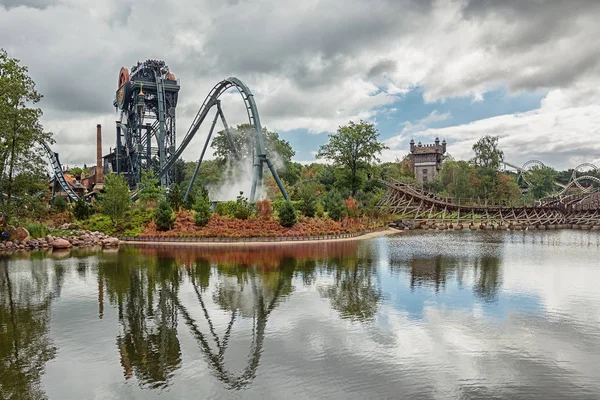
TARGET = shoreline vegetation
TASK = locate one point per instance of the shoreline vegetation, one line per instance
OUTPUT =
(343, 196)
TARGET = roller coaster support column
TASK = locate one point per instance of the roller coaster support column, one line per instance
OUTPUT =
(118, 148)
(212, 128)
(148, 147)
(279, 183)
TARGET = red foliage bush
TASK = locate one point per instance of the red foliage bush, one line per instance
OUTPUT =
(226, 227)
(264, 208)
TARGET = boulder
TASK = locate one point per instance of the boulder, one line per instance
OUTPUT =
(109, 242)
(61, 244)
(21, 234)
(9, 244)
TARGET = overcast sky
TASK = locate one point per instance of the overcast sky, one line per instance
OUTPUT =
(526, 71)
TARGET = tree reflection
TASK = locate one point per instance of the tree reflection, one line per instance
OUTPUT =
(148, 343)
(426, 271)
(487, 278)
(355, 293)
(25, 347)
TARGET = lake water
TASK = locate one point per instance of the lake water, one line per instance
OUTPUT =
(433, 315)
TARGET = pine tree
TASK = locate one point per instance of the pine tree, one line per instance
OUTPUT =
(202, 208)
(175, 198)
(163, 216)
(336, 209)
(150, 190)
(308, 203)
(82, 210)
(287, 214)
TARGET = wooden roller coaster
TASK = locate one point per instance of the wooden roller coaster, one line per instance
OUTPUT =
(419, 206)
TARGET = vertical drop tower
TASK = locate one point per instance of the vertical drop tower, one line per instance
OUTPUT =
(146, 131)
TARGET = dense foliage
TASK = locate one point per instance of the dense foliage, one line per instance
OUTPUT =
(163, 216)
(287, 214)
(82, 209)
(115, 200)
(175, 198)
(150, 190)
(22, 158)
(353, 146)
(202, 208)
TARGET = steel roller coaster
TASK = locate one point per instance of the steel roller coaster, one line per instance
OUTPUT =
(146, 132)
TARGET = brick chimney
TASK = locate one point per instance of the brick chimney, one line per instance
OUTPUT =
(99, 171)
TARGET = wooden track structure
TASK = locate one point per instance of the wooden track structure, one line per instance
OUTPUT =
(414, 203)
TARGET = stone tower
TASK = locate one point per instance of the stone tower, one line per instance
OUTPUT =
(427, 159)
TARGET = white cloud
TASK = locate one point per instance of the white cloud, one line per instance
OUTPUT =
(315, 65)
(560, 133)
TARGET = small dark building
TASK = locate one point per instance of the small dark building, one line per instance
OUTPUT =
(427, 159)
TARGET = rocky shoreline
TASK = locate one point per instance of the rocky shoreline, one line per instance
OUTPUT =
(77, 239)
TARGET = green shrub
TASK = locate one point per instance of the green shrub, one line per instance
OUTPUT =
(243, 209)
(36, 230)
(163, 216)
(334, 203)
(287, 215)
(100, 223)
(308, 204)
(188, 203)
(175, 198)
(319, 210)
(137, 220)
(202, 208)
(59, 204)
(82, 210)
(226, 208)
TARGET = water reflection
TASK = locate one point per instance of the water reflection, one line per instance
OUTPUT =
(355, 292)
(144, 290)
(435, 272)
(27, 291)
(437, 315)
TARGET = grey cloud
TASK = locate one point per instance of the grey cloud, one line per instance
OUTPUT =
(39, 4)
(380, 68)
(259, 40)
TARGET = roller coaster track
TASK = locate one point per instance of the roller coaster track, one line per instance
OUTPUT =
(210, 101)
(419, 205)
(58, 173)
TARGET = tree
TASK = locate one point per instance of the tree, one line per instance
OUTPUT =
(487, 153)
(76, 171)
(175, 198)
(82, 209)
(334, 204)
(202, 208)
(354, 146)
(180, 169)
(456, 178)
(188, 202)
(308, 201)
(20, 130)
(163, 216)
(150, 190)
(488, 158)
(287, 214)
(115, 200)
(541, 181)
